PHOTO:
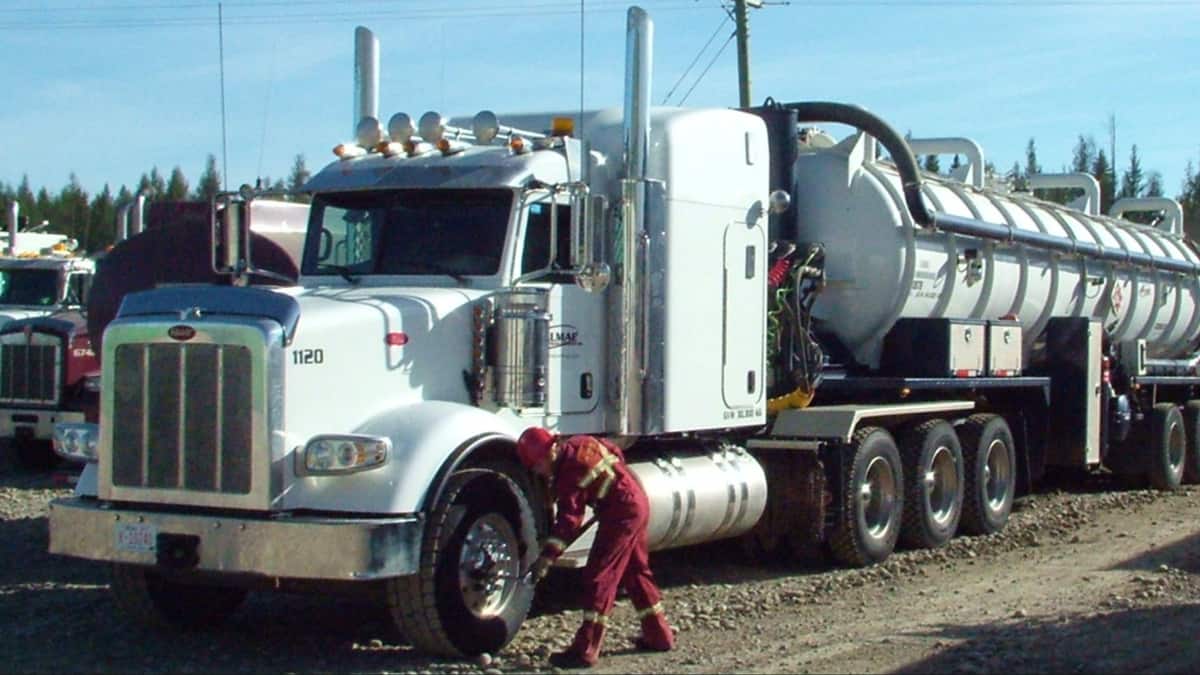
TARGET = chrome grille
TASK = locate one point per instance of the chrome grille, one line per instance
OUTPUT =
(182, 417)
(31, 372)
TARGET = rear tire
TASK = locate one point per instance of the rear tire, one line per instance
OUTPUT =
(873, 500)
(1165, 447)
(467, 596)
(990, 468)
(154, 601)
(933, 497)
(1191, 423)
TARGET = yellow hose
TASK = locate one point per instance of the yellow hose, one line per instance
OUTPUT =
(799, 398)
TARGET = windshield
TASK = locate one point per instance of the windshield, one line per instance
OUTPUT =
(455, 232)
(28, 287)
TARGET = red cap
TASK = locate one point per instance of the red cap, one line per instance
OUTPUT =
(533, 446)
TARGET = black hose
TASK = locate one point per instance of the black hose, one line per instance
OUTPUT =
(897, 147)
(910, 178)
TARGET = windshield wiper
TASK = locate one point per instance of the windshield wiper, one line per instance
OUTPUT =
(437, 268)
(342, 270)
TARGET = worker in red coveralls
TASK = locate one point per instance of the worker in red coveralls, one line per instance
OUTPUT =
(588, 471)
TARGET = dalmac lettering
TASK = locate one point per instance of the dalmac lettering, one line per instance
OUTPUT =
(564, 335)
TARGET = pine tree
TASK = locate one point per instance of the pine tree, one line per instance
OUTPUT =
(102, 229)
(300, 174)
(1154, 186)
(1189, 199)
(1132, 181)
(210, 181)
(1031, 161)
(931, 164)
(1104, 174)
(1084, 154)
(177, 187)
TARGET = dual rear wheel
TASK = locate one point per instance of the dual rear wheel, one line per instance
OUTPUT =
(921, 491)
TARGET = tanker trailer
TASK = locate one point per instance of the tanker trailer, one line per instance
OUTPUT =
(893, 286)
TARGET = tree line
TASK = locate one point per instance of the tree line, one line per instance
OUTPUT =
(1087, 157)
(92, 219)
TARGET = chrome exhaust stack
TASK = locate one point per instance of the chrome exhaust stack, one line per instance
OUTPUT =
(366, 76)
(632, 354)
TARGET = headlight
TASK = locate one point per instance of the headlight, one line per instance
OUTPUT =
(339, 454)
(76, 442)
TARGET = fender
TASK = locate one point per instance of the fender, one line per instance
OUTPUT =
(428, 438)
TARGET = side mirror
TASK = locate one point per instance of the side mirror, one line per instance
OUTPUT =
(587, 210)
(325, 247)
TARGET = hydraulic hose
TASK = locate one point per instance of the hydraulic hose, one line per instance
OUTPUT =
(897, 147)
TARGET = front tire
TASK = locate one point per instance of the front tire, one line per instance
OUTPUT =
(157, 602)
(933, 498)
(873, 502)
(467, 596)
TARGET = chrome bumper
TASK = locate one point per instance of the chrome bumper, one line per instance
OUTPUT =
(297, 547)
(39, 420)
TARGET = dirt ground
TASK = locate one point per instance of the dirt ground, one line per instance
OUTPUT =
(1086, 578)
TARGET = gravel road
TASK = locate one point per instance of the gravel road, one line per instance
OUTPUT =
(1085, 578)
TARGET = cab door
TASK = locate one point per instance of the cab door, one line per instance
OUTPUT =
(577, 336)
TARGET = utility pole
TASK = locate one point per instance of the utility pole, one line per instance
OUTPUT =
(743, 48)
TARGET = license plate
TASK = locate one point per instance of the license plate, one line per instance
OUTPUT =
(136, 537)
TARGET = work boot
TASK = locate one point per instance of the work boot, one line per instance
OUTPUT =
(657, 635)
(585, 648)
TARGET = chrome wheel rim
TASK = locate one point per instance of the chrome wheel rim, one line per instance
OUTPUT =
(997, 475)
(877, 497)
(1176, 448)
(941, 485)
(488, 565)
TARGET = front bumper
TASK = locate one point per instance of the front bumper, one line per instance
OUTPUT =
(34, 423)
(294, 547)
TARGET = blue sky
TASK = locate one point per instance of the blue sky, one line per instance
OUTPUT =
(108, 90)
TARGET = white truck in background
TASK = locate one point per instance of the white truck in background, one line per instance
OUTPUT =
(798, 344)
(44, 281)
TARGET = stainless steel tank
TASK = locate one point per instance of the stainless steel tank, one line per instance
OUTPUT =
(521, 341)
(881, 268)
(702, 497)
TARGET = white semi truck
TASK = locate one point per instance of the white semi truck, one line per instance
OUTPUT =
(44, 285)
(799, 344)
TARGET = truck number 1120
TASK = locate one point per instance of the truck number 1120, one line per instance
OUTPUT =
(302, 357)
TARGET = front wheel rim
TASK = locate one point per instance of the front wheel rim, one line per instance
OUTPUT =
(488, 566)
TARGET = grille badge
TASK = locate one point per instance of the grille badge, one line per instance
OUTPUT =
(181, 332)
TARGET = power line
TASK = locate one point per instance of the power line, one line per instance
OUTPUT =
(724, 20)
(706, 68)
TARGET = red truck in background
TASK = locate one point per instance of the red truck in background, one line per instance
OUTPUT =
(49, 364)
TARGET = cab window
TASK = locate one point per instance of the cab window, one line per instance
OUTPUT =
(536, 253)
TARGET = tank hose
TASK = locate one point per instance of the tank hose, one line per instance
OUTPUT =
(800, 397)
(902, 156)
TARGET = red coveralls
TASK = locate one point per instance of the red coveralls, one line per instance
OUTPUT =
(592, 471)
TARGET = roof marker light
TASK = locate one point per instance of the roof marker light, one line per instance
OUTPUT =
(562, 126)
(349, 150)
(518, 145)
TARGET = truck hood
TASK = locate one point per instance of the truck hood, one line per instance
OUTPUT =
(8, 314)
(361, 352)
